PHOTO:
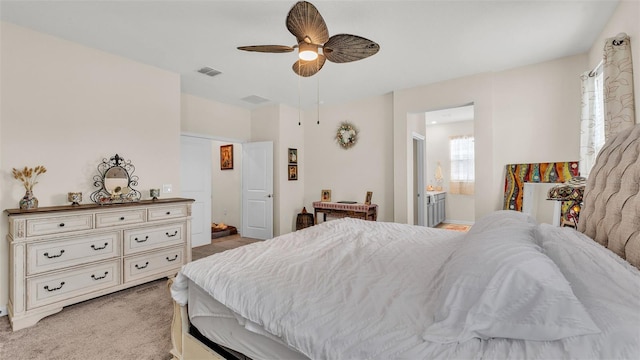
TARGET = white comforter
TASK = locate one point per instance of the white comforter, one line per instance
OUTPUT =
(350, 289)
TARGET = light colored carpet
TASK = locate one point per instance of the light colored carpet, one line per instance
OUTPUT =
(130, 324)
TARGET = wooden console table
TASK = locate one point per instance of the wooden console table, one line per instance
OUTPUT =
(360, 211)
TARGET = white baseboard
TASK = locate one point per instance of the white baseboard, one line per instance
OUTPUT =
(3, 311)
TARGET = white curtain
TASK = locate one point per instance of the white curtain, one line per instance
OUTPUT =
(607, 100)
(619, 112)
(591, 120)
(462, 165)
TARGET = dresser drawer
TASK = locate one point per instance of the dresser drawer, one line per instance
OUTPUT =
(167, 212)
(70, 251)
(47, 289)
(123, 217)
(144, 239)
(141, 266)
(59, 224)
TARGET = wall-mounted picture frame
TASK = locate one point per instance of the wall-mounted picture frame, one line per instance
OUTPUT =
(293, 156)
(226, 157)
(325, 196)
(293, 172)
(367, 199)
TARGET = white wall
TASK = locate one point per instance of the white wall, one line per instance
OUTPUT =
(291, 193)
(475, 89)
(626, 18)
(528, 114)
(350, 173)
(536, 115)
(459, 208)
(214, 119)
(67, 107)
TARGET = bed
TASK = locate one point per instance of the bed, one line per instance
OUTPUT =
(354, 289)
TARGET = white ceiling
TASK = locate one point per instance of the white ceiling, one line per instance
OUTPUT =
(421, 41)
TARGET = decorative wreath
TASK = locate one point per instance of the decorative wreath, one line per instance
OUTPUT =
(346, 136)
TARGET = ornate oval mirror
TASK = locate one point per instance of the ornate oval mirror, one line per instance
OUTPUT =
(115, 181)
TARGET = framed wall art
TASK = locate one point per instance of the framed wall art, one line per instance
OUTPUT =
(293, 156)
(325, 196)
(226, 157)
(293, 172)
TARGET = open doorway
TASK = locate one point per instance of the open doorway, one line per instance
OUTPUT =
(448, 167)
(226, 189)
(216, 189)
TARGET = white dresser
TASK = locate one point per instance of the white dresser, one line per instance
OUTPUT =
(62, 255)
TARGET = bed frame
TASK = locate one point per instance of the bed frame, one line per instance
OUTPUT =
(185, 346)
(609, 216)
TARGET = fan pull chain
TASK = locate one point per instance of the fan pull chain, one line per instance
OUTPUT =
(299, 90)
(318, 94)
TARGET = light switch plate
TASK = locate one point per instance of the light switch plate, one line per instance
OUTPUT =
(166, 188)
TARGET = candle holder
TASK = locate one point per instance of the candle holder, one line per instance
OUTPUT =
(75, 198)
(154, 193)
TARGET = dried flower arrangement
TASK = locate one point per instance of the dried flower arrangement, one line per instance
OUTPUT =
(29, 176)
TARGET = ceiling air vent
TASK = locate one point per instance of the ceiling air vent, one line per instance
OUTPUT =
(254, 99)
(209, 71)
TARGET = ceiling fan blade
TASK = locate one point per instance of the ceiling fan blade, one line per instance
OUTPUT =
(308, 68)
(305, 21)
(267, 48)
(344, 48)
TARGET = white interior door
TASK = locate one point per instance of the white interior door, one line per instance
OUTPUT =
(419, 192)
(195, 179)
(257, 190)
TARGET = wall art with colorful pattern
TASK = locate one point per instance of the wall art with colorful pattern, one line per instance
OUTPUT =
(518, 174)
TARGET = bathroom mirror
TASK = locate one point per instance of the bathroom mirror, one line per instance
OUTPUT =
(115, 182)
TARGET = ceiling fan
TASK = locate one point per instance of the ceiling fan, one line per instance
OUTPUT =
(307, 25)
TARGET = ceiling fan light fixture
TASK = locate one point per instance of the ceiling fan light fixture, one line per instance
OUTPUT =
(308, 52)
(314, 44)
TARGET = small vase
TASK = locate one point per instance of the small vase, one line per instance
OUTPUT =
(28, 201)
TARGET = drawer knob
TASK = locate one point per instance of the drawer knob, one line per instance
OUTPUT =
(61, 225)
(122, 218)
(54, 256)
(174, 258)
(99, 277)
(142, 240)
(168, 212)
(46, 287)
(172, 235)
(99, 248)
(143, 266)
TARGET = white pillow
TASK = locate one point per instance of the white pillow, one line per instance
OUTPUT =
(501, 218)
(498, 284)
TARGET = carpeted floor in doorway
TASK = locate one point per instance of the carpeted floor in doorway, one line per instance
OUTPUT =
(130, 324)
(454, 227)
